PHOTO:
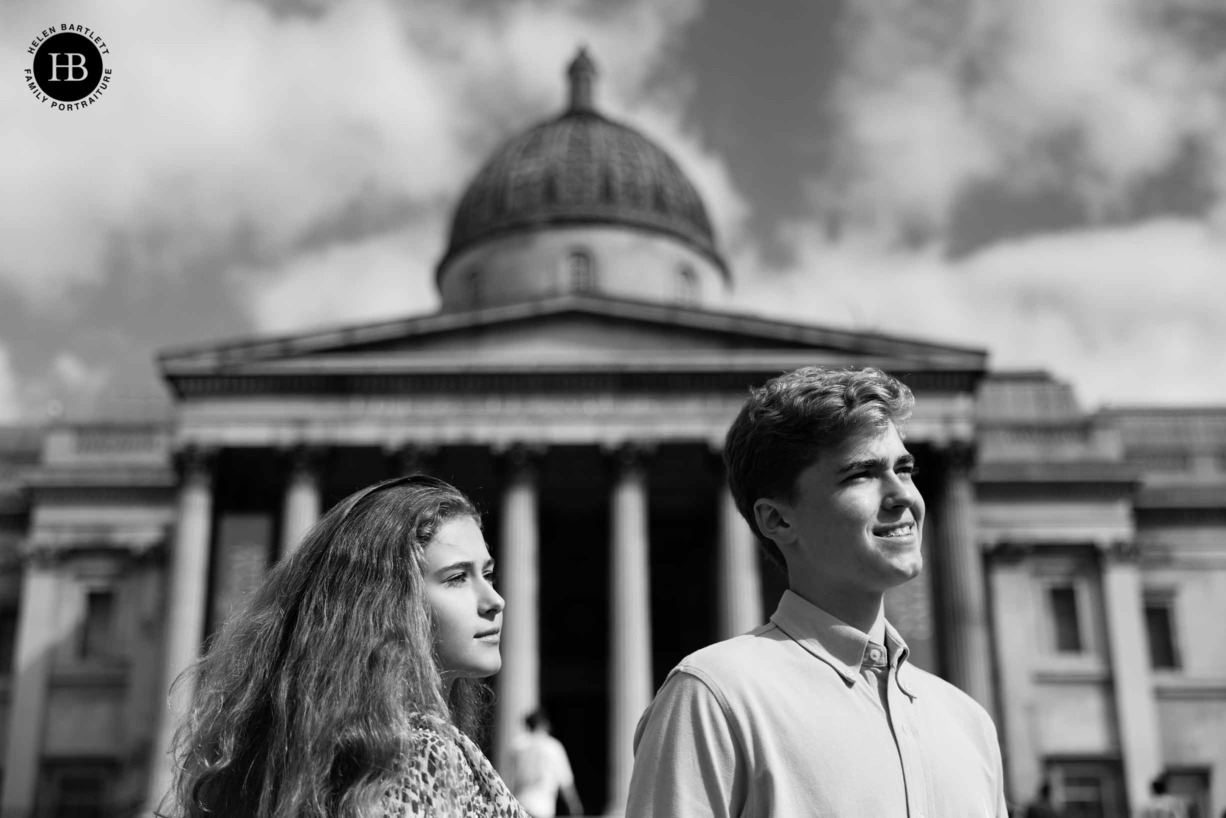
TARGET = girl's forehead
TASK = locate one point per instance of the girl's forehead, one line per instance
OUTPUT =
(458, 538)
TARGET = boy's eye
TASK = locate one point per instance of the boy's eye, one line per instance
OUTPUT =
(491, 578)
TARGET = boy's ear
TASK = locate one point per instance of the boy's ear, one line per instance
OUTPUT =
(774, 519)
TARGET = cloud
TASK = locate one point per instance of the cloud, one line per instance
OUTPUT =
(245, 136)
(1130, 314)
(226, 130)
(376, 278)
(1091, 103)
(1092, 98)
(69, 383)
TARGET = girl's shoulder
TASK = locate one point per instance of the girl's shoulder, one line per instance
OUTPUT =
(443, 774)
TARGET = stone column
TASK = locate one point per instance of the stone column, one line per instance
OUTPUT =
(300, 506)
(630, 625)
(519, 682)
(185, 607)
(740, 586)
(1013, 601)
(40, 630)
(1135, 709)
(964, 619)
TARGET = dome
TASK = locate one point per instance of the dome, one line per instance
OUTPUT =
(581, 169)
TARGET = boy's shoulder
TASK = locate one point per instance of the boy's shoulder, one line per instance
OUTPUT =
(737, 657)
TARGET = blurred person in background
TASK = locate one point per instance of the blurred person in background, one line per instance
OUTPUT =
(1042, 806)
(540, 770)
(1162, 804)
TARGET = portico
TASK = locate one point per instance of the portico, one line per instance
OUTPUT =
(619, 548)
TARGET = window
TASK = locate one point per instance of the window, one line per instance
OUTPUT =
(1087, 789)
(8, 639)
(75, 790)
(582, 271)
(98, 630)
(1160, 628)
(474, 288)
(687, 286)
(1066, 621)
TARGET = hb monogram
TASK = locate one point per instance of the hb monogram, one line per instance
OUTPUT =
(71, 65)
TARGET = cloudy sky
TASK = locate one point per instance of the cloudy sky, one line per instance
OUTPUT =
(1041, 178)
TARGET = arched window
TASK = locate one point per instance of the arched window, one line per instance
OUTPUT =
(581, 271)
(474, 287)
(687, 286)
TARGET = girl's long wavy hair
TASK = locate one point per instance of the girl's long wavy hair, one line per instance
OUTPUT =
(303, 700)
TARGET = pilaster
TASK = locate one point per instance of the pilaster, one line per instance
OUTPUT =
(1132, 682)
(185, 601)
(964, 615)
(39, 632)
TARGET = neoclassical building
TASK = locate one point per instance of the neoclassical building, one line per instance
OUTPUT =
(577, 381)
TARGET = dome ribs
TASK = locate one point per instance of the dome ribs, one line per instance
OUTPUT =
(581, 168)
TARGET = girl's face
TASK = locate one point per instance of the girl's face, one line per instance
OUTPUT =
(466, 609)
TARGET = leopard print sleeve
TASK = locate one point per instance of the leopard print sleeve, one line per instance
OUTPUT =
(447, 776)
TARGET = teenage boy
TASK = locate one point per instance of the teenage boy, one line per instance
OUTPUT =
(817, 712)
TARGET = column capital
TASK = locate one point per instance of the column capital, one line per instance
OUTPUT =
(408, 457)
(194, 464)
(40, 555)
(629, 455)
(1119, 552)
(302, 458)
(519, 457)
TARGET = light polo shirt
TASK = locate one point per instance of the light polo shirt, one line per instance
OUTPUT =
(779, 722)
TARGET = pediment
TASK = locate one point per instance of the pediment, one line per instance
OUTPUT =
(564, 335)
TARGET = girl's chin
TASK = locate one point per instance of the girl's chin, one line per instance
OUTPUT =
(472, 672)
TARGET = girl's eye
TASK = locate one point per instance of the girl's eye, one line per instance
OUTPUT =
(458, 579)
(492, 579)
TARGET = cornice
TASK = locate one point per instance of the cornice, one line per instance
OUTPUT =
(101, 476)
(478, 379)
(1208, 495)
(52, 547)
(1087, 472)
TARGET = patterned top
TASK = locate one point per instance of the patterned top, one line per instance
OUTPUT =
(446, 775)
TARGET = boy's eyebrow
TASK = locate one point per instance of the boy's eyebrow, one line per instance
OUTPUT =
(869, 463)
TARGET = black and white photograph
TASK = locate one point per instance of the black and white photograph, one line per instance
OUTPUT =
(627, 408)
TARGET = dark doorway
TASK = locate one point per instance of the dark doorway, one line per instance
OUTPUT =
(574, 609)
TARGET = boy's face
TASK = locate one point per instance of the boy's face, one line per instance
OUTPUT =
(855, 523)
